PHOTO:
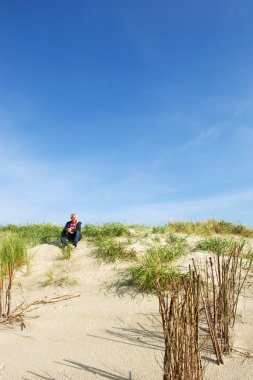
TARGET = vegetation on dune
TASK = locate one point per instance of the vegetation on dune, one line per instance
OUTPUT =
(159, 229)
(67, 252)
(107, 247)
(157, 265)
(211, 226)
(34, 233)
(148, 270)
(215, 244)
(45, 233)
(107, 230)
(12, 257)
(57, 277)
(110, 250)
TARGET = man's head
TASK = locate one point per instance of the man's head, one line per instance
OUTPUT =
(73, 217)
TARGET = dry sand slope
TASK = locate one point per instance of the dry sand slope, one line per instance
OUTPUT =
(99, 335)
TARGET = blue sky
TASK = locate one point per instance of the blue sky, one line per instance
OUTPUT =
(130, 111)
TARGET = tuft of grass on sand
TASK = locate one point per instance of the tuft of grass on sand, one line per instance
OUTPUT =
(34, 234)
(157, 264)
(12, 257)
(12, 252)
(29, 262)
(67, 252)
(107, 230)
(211, 226)
(149, 269)
(215, 244)
(111, 250)
(58, 277)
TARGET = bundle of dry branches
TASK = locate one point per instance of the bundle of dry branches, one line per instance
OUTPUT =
(223, 282)
(180, 320)
(214, 289)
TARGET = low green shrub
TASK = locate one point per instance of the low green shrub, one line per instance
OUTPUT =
(61, 279)
(12, 257)
(107, 230)
(157, 264)
(159, 229)
(110, 250)
(209, 227)
(67, 252)
(215, 244)
(34, 233)
(150, 268)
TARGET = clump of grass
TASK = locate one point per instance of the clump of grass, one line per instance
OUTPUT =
(157, 265)
(176, 242)
(159, 229)
(107, 230)
(28, 262)
(12, 257)
(149, 269)
(56, 278)
(111, 250)
(209, 227)
(67, 252)
(34, 233)
(215, 244)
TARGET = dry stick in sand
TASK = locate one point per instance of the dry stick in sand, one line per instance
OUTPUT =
(18, 313)
(220, 298)
(1, 291)
(180, 326)
(211, 322)
(229, 285)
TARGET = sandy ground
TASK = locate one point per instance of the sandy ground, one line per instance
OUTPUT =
(101, 334)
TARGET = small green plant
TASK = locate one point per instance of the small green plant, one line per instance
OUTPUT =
(107, 230)
(111, 250)
(12, 257)
(28, 262)
(209, 227)
(216, 244)
(56, 278)
(67, 252)
(34, 234)
(159, 229)
(157, 239)
(148, 270)
(157, 264)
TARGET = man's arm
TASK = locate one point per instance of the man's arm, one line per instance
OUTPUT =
(78, 226)
(67, 227)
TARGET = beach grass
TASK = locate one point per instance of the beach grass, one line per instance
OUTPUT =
(111, 250)
(56, 278)
(215, 244)
(157, 264)
(12, 257)
(107, 230)
(209, 227)
(34, 234)
(67, 252)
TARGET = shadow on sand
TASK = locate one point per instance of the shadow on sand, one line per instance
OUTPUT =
(96, 371)
(80, 366)
(139, 337)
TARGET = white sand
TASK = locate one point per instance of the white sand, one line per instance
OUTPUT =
(101, 334)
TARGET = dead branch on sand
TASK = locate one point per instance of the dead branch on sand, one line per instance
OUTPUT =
(18, 314)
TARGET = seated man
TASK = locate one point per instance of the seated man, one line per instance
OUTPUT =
(71, 231)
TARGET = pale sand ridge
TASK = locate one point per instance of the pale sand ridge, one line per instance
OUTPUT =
(99, 335)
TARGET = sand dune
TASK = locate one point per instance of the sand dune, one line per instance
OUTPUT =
(100, 334)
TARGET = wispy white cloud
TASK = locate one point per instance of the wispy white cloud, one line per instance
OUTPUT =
(206, 136)
(42, 189)
(234, 207)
